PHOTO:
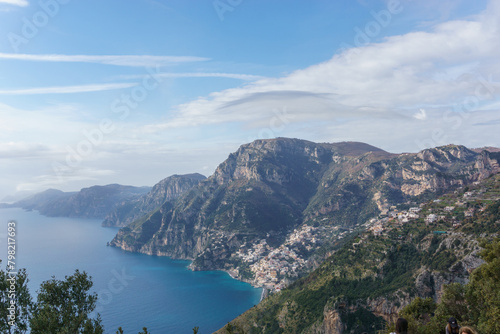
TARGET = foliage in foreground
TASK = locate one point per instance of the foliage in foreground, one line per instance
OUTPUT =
(476, 304)
(62, 307)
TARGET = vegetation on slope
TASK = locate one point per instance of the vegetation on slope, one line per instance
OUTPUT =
(372, 272)
(475, 304)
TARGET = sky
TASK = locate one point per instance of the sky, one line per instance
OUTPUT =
(95, 92)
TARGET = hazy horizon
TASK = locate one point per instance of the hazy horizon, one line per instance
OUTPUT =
(95, 93)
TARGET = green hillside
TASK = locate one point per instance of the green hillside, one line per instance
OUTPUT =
(364, 285)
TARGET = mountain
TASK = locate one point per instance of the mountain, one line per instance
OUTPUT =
(92, 202)
(259, 190)
(368, 280)
(280, 201)
(167, 189)
(40, 200)
(486, 148)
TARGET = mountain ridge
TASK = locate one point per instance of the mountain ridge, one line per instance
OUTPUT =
(91, 202)
(268, 188)
(167, 189)
(366, 282)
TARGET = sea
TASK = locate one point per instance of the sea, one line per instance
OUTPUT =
(134, 290)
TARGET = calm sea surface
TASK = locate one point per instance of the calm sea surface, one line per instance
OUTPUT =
(134, 290)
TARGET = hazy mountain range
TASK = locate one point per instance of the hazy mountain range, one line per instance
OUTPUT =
(92, 202)
(270, 187)
(308, 202)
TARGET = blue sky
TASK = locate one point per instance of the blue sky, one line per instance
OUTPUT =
(97, 92)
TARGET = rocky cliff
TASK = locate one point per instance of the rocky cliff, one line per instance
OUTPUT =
(260, 191)
(269, 187)
(167, 189)
(367, 281)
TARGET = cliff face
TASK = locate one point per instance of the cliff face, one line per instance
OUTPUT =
(260, 191)
(269, 187)
(167, 189)
(371, 278)
(359, 305)
(92, 202)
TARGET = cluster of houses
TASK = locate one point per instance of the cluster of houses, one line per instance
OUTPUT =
(380, 225)
(273, 266)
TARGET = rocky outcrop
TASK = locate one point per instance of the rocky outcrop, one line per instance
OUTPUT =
(259, 191)
(388, 309)
(269, 187)
(332, 324)
(367, 281)
(167, 189)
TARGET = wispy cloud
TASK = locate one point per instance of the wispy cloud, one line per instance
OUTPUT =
(20, 3)
(20, 150)
(118, 60)
(43, 182)
(396, 77)
(67, 89)
(239, 76)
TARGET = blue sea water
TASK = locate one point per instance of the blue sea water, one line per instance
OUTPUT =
(134, 290)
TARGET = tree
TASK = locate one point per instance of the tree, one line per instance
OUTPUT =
(483, 291)
(15, 302)
(63, 307)
(476, 304)
(233, 329)
(453, 303)
(229, 328)
(196, 329)
(418, 314)
(145, 331)
(418, 308)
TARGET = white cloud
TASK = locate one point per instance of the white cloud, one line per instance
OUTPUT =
(67, 89)
(19, 150)
(118, 60)
(53, 180)
(394, 78)
(20, 3)
(239, 76)
(48, 126)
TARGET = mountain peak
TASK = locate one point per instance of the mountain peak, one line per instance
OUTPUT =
(353, 148)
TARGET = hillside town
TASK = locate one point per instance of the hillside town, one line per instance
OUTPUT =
(272, 267)
(447, 210)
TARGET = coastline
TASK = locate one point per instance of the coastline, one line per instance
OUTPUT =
(232, 275)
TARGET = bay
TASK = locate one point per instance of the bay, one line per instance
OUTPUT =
(135, 290)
